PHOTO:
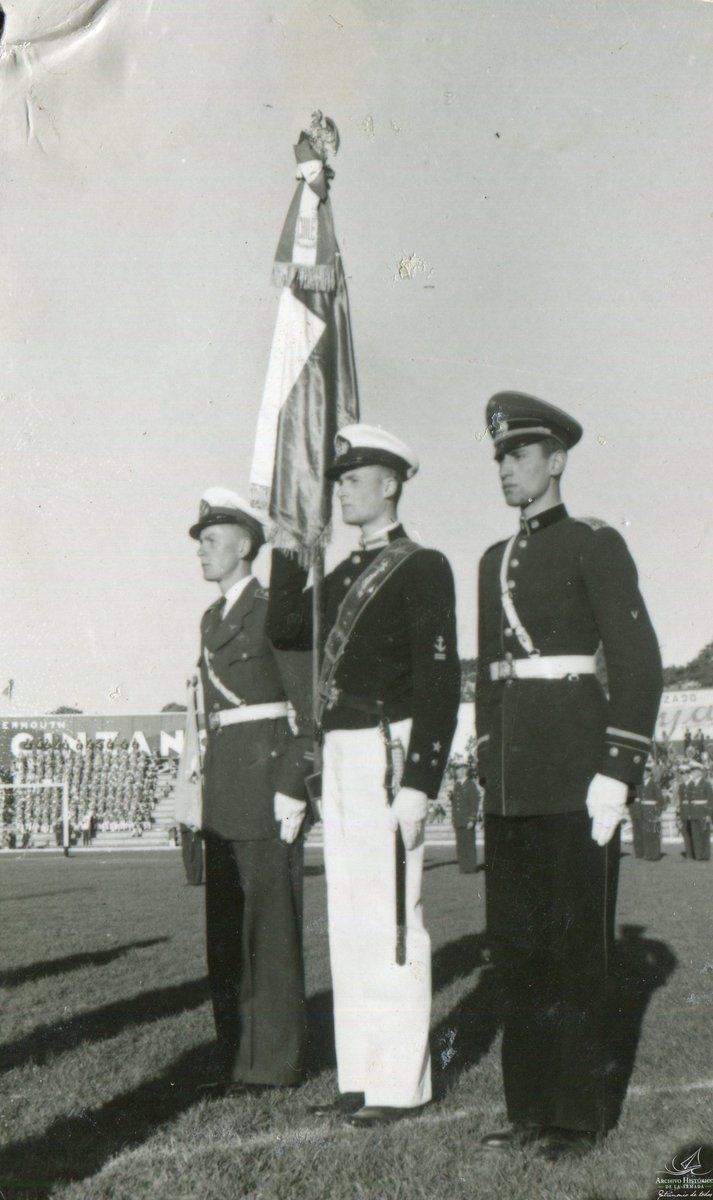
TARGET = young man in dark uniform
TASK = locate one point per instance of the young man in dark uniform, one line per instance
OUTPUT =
(558, 758)
(465, 804)
(390, 691)
(253, 806)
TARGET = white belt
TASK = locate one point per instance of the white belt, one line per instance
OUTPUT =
(545, 666)
(247, 712)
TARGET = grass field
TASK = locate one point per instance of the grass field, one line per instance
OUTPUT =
(106, 1027)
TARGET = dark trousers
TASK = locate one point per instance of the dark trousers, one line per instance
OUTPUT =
(466, 851)
(652, 841)
(698, 841)
(192, 855)
(550, 901)
(254, 943)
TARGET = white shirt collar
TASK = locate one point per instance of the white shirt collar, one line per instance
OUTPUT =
(233, 593)
(380, 537)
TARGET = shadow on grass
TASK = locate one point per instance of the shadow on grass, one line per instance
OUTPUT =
(446, 862)
(458, 959)
(466, 1034)
(102, 1023)
(10, 899)
(641, 965)
(72, 962)
(76, 1147)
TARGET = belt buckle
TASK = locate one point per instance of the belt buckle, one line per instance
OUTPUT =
(506, 669)
(214, 722)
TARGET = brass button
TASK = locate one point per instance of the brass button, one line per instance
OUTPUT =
(514, 562)
(347, 582)
(614, 752)
(522, 543)
(508, 633)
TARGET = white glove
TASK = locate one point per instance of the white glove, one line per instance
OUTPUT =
(290, 813)
(408, 813)
(606, 805)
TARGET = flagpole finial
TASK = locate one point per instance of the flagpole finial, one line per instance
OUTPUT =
(322, 135)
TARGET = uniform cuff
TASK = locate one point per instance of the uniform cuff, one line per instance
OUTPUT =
(625, 755)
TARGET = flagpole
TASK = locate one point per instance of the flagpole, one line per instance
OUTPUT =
(317, 622)
(317, 592)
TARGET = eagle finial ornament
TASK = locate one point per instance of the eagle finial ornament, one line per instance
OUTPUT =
(323, 134)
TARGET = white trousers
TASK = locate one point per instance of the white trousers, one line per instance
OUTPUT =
(381, 1011)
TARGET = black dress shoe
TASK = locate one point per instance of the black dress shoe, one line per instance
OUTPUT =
(373, 1115)
(559, 1144)
(346, 1102)
(513, 1138)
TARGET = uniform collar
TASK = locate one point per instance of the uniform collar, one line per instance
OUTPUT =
(234, 593)
(382, 537)
(542, 520)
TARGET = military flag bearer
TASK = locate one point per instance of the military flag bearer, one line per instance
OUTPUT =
(389, 694)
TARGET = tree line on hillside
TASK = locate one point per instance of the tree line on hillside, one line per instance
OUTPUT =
(698, 673)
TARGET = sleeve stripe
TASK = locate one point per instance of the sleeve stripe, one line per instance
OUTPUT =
(625, 733)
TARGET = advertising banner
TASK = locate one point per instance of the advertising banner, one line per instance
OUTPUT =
(159, 733)
(685, 710)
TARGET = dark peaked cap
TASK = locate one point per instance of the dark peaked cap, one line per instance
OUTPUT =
(516, 419)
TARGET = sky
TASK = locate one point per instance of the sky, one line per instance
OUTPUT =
(524, 199)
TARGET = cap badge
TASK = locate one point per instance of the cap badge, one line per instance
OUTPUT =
(203, 509)
(342, 446)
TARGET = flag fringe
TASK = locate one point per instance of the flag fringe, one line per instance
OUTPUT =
(317, 278)
(282, 539)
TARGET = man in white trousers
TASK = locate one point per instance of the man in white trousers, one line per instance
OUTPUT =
(389, 691)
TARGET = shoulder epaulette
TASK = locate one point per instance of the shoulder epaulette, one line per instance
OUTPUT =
(496, 546)
(592, 522)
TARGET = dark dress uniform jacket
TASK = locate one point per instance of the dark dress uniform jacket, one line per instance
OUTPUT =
(402, 651)
(246, 764)
(550, 888)
(253, 879)
(540, 742)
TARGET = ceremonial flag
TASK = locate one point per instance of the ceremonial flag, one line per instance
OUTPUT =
(311, 385)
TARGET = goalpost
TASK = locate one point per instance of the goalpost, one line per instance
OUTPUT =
(38, 787)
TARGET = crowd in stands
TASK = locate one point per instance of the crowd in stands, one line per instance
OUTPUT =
(115, 786)
(109, 786)
(679, 774)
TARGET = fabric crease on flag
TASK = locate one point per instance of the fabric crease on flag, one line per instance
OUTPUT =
(311, 386)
